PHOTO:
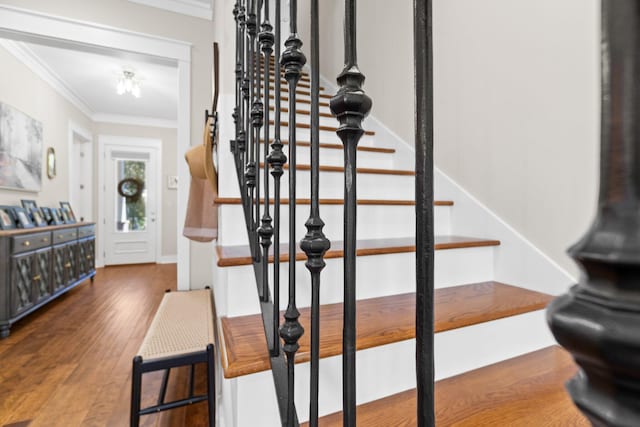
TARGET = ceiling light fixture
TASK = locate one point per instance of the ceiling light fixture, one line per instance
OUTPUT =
(128, 83)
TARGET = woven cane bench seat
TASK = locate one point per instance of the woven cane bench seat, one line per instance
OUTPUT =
(181, 334)
(183, 324)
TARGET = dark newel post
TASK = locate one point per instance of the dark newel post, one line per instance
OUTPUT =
(266, 230)
(276, 159)
(423, 54)
(292, 60)
(598, 319)
(350, 105)
(315, 244)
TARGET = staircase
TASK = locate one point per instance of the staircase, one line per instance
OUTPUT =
(496, 364)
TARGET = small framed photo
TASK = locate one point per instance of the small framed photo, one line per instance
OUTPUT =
(23, 220)
(56, 217)
(46, 214)
(66, 209)
(6, 218)
(38, 220)
(65, 216)
(29, 204)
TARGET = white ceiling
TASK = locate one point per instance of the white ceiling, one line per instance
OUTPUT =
(92, 78)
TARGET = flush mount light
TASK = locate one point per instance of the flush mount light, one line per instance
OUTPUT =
(128, 83)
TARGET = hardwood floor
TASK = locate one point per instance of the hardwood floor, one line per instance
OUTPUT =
(69, 364)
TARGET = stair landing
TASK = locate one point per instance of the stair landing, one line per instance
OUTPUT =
(521, 392)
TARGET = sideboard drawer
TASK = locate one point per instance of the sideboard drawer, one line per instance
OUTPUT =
(30, 242)
(66, 235)
(87, 231)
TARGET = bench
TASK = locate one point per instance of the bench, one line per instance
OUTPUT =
(181, 334)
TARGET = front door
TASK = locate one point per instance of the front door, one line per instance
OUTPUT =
(130, 193)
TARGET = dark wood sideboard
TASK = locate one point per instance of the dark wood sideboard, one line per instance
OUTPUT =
(38, 265)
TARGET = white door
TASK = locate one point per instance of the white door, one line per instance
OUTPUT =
(131, 204)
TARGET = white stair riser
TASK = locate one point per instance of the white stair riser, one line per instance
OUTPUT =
(376, 276)
(380, 371)
(374, 222)
(304, 118)
(325, 136)
(335, 157)
(369, 186)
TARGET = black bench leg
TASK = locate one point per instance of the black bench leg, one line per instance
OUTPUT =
(163, 388)
(211, 385)
(136, 389)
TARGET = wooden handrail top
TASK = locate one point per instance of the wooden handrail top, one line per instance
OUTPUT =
(230, 256)
(381, 321)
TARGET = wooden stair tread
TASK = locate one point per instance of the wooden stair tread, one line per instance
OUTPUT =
(306, 85)
(229, 256)
(339, 146)
(299, 201)
(376, 171)
(308, 126)
(301, 91)
(525, 391)
(382, 320)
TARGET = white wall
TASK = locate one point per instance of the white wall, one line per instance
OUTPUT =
(22, 89)
(516, 101)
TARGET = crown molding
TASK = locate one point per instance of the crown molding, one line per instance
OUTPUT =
(25, 55)
(185, 7)
(134, 120)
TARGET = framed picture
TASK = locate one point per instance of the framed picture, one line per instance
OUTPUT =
(46, 214)
(6, 218)
(51, 163)
(38, 220)
(56, 218)
(21, 148)
(66, 209)
(65, 216)
(29, 204)
(23, 220)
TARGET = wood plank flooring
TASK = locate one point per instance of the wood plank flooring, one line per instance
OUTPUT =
(381, 321)
(521, 392)
(69, 363)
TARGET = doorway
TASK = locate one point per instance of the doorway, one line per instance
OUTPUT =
(130, 199)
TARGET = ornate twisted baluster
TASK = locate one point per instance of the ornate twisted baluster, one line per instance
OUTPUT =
(244, 108)
(315, 244)
(292, 60)
(257, 118)
(423, 54)
(350, 106)
(250, 170)
(266, 230)
(236, 109)
(276, 160)
(597, 320)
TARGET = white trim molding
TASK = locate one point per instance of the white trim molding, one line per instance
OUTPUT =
(25, 55)
(168, 259)
(194, 8)
(134, 120)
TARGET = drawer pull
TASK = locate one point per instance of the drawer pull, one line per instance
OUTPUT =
(36, 278)
(68, 265)
(88, 256)
(27, 243)
(44, 240)
(60, 236)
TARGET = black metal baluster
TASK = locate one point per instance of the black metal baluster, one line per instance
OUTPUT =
(350, 105)
(292, 60)
(423, 54)
(236, 109)
(597, 320)
(266, 229)
(315, 244)
(250, 170)
(241, 141)
(257, 116)
(276, 159)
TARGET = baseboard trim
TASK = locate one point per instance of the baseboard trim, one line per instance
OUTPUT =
(168, 259)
